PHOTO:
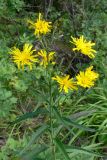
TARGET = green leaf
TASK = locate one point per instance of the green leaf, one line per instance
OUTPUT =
(34, 138)
(7, 102)
(83, 151)
(30, 115)
(60, 119)
(62, 149)
(82, 114)
(57, 114)
(30, 155)
(68, 122)
(79, 126)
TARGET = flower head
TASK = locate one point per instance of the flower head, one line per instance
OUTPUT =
(83, 46)
(65, 83)
(46, 58)
(87, 78)
(24, 57)
(40, 26)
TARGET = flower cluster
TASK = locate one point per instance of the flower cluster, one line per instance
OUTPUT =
(40, 26)
(26, 57)
(85, 79)
(83, 46)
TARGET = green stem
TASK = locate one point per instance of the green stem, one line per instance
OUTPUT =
(51, 122)
(41, 41)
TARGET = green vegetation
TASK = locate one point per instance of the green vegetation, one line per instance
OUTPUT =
(37, 122)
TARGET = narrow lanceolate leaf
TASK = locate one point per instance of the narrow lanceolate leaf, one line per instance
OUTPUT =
(81, 114)
(68, 122)
(60, 145)
(60, 120)
(57, 114)
(70, 149)
(76, 125)
(34, 138)
(30, 115)
(32, 154)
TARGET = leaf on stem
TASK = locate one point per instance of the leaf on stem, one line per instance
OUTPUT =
(60, 145)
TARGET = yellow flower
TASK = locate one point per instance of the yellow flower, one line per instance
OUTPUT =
(40, 26)
(87, 78)
(46, 58)
(83, 46)
(65, 83)
(24, 57)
